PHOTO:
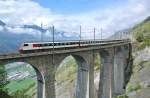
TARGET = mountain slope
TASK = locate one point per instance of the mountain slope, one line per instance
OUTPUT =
(141, 33)
(2, 23)
(139, 84)
(10, 42)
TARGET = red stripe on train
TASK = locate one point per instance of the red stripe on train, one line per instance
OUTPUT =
(36, 45)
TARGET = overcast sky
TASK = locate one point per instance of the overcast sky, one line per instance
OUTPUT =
(110, 15)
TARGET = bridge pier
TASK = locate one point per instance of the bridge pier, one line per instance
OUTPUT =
(50, 85)
(82, 77)
(119, 73)
(92, 89)
(49, 76)
(106, 73)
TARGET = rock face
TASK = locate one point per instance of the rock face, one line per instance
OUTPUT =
(141, 75)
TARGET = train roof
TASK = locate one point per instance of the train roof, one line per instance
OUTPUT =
(64, 41)
(48, 42)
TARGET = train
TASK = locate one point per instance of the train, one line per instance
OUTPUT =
(31, 47)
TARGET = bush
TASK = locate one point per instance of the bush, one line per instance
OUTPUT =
(144, 44)
(4, 94)
(131, 88)
(97, 63)
(122, 96)
(20, 94)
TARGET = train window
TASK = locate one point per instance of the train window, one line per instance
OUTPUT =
(41, 45)
(45, 45)
(66, 43)
(50, 44)
(82, 42)
(37, 45)
(59, 44)
(76, 43)
(25, 45)
(72, 43)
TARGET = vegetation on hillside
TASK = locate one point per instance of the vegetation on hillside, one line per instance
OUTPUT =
(97, 63)
(142, 34)
(131, 87)
(3, 77)
(18, 88)
(3, 83)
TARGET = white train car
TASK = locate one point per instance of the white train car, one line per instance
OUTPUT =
(47, 46)
(37, 46)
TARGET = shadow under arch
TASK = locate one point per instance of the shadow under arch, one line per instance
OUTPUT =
(81, 83)
(39, 76)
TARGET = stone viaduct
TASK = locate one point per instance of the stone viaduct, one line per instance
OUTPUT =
(116, 61)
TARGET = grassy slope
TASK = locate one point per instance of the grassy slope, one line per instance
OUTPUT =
(15, 86)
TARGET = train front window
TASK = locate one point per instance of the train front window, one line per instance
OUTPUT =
(25, 45)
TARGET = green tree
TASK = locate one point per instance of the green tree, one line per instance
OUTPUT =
(20, 94)
(4, 94)
(3, 82)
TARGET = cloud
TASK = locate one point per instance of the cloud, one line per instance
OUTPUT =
(109, 19)
(23, 12)
(19, 30)
(1, 28)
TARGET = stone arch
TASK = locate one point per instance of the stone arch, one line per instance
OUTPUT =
(82, 74)
(39, 75)
(82, 77)
(65, 76)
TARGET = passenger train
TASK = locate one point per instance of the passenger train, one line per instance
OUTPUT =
(32, 47)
